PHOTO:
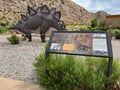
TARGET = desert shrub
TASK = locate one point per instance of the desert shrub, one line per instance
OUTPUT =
(14, 39)
(117, 34)
(102, 28)
(94, 23)
(3, 30)
(84, 29)
(4, 21)
(67, 72)
(102, 23)
(118, 27)
(114, 28)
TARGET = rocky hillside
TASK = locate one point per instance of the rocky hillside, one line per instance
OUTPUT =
(100, 15)
(72, 13)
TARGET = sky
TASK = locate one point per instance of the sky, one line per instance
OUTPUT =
(110, 6)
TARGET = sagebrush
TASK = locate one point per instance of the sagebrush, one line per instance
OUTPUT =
(67, 72)
(14, 39)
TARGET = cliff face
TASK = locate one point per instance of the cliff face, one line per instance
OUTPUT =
(10, 10)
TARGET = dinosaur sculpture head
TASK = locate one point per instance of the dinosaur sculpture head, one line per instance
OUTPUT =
(17, 26)
(62, 25)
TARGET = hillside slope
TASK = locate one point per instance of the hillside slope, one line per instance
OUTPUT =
(10, 10)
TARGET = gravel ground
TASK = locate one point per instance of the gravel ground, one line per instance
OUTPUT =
(16, 60)
(116, 48)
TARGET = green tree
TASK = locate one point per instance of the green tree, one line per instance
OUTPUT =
(94, 23)
(102, 23)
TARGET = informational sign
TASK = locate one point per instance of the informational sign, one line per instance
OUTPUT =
(80, 43)
(96, 44)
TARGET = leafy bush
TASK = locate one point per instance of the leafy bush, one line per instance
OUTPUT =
(102, 23)
(3, 30)
(98, 26)
(66, 72)
(117, 34)
(76, 27)
(118, 27)
(94, 23)
(102, 28)
(114, 28)
(14, 39)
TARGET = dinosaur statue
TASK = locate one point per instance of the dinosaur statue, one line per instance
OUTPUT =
(42, 18)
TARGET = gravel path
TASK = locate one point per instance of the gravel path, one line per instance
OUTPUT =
(116, 48)
(16, 60)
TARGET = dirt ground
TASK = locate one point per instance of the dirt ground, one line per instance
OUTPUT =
(116, 48)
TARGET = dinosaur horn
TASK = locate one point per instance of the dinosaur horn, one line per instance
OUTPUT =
(52, 11)
(57, 15)
(23, 17)
(31, 11)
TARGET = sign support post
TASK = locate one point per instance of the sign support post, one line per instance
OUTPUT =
(109, 71)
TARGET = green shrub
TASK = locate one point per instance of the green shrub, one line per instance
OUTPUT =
(4, 23)
(3, 30)
(67, 72)
(98, 28)
(118, 27)
(102, 28)
(117, 34)
(102, 23)
(94, 23)
(14, 39)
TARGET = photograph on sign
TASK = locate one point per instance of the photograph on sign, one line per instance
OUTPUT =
(55, 46)
(80, 43)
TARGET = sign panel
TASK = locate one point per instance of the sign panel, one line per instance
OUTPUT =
(80, 43)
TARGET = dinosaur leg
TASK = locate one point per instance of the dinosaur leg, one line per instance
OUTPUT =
(29, 37)
(43, 37)
(43, 29)
(28, 34)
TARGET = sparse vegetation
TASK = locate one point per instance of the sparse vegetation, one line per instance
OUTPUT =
(94, 26)
(3, 30)
(117, 34)
(14, 39)
(94, 23)
(98, 26)
(4, 21)
(75, 27)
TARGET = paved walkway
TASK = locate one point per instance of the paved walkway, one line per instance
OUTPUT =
(10, 84)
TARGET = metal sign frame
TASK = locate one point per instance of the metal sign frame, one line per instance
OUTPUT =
(108, 42)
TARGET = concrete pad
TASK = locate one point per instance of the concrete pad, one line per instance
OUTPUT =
(10, 84)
